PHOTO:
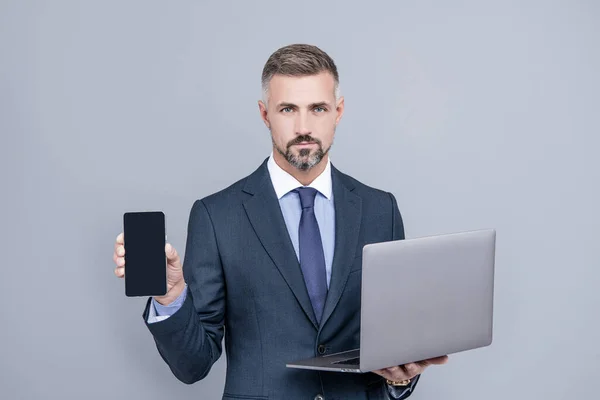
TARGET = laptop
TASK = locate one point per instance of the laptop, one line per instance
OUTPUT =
(420, 298)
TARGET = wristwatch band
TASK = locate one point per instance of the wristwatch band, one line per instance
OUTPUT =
(405, 382)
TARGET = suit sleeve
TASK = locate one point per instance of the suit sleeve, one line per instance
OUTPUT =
(397, 222)
(189, 341)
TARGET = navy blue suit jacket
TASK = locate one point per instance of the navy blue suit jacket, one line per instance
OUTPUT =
(245, 284)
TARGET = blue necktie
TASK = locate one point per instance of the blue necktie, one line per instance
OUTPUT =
(312, 259)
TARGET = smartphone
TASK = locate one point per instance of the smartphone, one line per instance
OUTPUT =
(145, 259)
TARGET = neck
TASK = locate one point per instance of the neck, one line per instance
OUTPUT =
(304, 177)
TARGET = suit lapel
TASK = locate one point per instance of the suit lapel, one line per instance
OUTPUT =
(265, 215)
(348, 213)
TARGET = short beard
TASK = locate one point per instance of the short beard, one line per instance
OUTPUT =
(305, 160)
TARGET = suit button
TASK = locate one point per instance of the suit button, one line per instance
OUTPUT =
(319, 397)
(321, 349)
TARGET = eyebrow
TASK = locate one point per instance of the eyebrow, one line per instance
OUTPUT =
(312, 105)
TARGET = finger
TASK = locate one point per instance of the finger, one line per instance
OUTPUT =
(380, 372)
(171, 253)
(120, 262)
(399, 375)
(120, 250)
(119, 241)
(392, 370)
(395, 373)
(412, 370)
(120, 272)
(388, 372)
(389, 375)
(437, 360)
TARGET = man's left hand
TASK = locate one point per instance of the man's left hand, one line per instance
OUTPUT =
(409, 371)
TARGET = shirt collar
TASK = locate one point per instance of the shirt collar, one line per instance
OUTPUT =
(283, 182)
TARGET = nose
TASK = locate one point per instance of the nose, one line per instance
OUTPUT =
(302, 125)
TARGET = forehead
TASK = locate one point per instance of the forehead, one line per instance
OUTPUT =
(302, 89)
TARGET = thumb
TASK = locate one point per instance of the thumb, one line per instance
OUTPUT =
(171, 253)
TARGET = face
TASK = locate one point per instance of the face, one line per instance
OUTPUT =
(302, 115)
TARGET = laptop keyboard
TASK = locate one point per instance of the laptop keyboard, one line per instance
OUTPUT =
(352, 361)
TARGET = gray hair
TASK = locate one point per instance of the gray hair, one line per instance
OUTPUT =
(298, 60)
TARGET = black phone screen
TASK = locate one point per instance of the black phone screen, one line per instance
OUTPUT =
(145, 258)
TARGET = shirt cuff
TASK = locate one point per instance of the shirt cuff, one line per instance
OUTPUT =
(158, 312)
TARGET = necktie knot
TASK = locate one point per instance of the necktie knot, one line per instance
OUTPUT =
(307, 196)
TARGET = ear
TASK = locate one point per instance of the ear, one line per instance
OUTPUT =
(340, 110)
(264, 115)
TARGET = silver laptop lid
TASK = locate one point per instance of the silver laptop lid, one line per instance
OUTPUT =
(426, 297)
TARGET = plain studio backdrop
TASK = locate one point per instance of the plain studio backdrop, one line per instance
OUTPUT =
(474, 114)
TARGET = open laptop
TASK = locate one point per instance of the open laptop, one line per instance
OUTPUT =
(421, 298)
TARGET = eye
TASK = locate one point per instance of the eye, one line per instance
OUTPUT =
(320, 109)
(286, 109)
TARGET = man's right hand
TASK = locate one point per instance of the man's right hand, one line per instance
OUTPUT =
(175, 282)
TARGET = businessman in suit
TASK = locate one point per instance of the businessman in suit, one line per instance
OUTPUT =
(273, 262)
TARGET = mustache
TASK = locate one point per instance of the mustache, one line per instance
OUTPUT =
(302, 139)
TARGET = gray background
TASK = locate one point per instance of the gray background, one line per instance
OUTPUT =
(474, 114)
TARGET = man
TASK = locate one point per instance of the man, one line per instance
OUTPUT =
(273, 262)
